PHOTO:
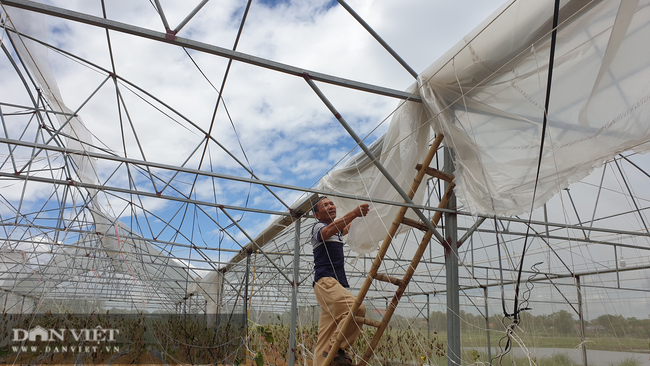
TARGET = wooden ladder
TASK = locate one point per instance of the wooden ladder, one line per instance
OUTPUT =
(402, 283)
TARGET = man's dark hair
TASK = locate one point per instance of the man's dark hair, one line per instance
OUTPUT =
(314, 206)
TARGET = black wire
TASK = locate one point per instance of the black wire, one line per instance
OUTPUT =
(525, 296)
(504, 349)
(556, 12)
(524, 306)
(517, 308)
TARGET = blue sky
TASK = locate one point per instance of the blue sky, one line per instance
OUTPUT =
(287, 134)
(271, 122)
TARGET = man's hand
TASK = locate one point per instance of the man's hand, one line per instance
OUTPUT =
(362, 210)
(342, 225)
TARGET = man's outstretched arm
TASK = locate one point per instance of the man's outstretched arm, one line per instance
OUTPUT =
(342, 224)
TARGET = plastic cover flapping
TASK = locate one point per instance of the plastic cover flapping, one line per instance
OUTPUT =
(401, 147)
(487, 96)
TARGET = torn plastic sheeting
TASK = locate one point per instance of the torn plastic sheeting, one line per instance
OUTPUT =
(487, 95)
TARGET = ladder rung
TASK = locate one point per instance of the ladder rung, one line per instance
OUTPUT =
(415, 224)
(393, 280)
(366, 321)
(436, 173)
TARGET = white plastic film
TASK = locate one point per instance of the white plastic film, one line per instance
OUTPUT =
(487, 96)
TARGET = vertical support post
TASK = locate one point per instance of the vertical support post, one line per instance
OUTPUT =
(618, 276)
(582, 322)
(429, 215)
(217, 321)
(451, 275)
(487, 325)
(547, 238)
(294, 295)
(471, 243)
(428, 318)
(245, 309)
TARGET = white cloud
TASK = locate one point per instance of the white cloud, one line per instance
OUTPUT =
(280, 122)
(288, 135)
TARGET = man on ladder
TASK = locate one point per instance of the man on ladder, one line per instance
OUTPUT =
(330, 281)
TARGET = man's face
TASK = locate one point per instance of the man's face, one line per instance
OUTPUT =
(326, 211)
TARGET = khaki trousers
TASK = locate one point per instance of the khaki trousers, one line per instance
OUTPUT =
(335, 302)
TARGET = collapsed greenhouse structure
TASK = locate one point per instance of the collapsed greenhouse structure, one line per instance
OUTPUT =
(128, 188)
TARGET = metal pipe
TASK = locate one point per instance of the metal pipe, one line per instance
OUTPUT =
(4, 127)
(428, 318)
(205, 142)
(157, 100)
(102, 187)
(629, 190)
(120, 100)
(160, 12)
(256, 247)
(583, 344)
(451, 273)
(32, 109)
(471, 243)
(567, 238)
(24, 188)
(487, 325)
(568, 192)
(303, 189)
(206, 48)
(189, 16)
(378, 38)
(600, 188)
(547, 277)
(158, 241)
(471, 230)
(548, 262)
(294, 296)
(60, 129)
(245, 308)
(125, 160)
(618, 278)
